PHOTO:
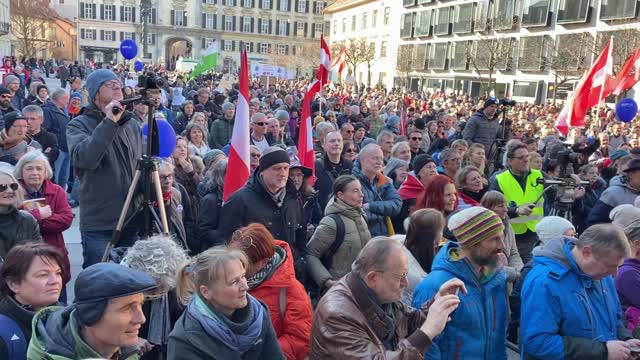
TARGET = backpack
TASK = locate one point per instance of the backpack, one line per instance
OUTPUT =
(13, 338)
(327, 258)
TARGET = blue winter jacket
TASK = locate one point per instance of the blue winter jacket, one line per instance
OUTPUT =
(383, 200)
(55, 121)
(565, 313)
(477, 329)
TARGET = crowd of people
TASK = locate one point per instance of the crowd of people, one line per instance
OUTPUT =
(435, 226)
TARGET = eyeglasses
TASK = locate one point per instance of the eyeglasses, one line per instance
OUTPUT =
(260, 123)
(112, 85)
(166, 177)
(416, 138)
(255, 156)
(521, 158)
(12, 186)
(6, 96)
(398, 277)
(350, 150)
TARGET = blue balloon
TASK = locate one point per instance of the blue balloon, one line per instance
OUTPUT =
(166, 138)
(138, 65)
(128, 49)
(626, 109)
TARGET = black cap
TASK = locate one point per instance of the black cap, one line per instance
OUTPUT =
(11, 117)
(490, 101)
(633, 165)
(420, 161)
(4, 90)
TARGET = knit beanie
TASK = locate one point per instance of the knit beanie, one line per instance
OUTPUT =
(227, 106)
(490, 101)
(618, 154)
(357, 126)
(273, 155)
(392, 165)
(474, 225)
(75, 95)
(420, 161)
(96, 79)
(4, 91)
(393, 120)
(282, 115)
(9, 79)
(551, 227)
(624, 216)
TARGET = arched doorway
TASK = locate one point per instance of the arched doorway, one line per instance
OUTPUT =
(176, 48)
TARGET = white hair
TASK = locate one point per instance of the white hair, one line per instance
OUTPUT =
(29, 157)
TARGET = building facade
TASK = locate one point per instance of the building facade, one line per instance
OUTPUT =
(376, 22)
(535, 50)
(188, 27)
(5, 40)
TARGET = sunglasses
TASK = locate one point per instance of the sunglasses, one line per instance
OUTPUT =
(349, 131)
(260, 123)
(416, 138)
(12, 186)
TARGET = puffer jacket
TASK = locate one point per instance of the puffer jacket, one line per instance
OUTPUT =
(356, 236)
(484, 305)
(565, 313)
(618, 193)
(481, 130)
(293, 323)
(381, 200)
(17, 227)
(56, 336)
(347, 326)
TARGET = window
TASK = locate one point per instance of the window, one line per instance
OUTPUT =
(387, 14)
(442, 23)
(150, 16)
(230, 2)
(228, 23)
(535, 12)
(228, 45)
(383, 49)
(353, 23)
(459, 57)
(363, 25)
(503, 14)
(319, 7)
(419, 57)
(108, 36)
(210, 21)
(573, 11)
(525, 88)
(573, 51)
(246, 24)
(374, 18)
(247, 3)
(406, 25)
(317, 29)
(344, 25)
(300, 29)
(264, 48)
(422, 24)
(483, 18)
(302, 6)
(618, 9)
(283, 26)
(284, 5)
(109, 13)
(266, 4)
(89, 11)
(407, 3)
(210, 2)
(335, 27)
(264, 26)
(382, 77)
(438, 58)
(128, 14)
(179, 18)
(282, 49)
(90, 34)
(128, 35)
(463, 19)
(151, 39)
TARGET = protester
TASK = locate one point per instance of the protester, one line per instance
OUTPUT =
(195, 139)
(330, 167)
(476, 259)
(622, 191)
(396, 170)
(361, 316)
(55, 121)
(181, 121)
(271, 279)
(307, 195)
(30, 280)
(104, 148)
(470, 187)
(221, 319)
(180, 221)
(211, 205)
(103, 322)
(482, 126)
(440, 194)
(450, 162)
(47, 140)
(222, 128)
(185, 173)
(554, 328)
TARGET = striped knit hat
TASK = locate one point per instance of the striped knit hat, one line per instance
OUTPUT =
(474, 225)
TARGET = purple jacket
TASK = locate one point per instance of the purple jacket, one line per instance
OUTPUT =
(628, 283)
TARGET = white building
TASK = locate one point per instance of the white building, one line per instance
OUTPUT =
(449, 42)
(187, 28)
(376, 21)
(5, 40)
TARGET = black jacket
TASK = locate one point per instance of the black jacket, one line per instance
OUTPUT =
(48, 141)
(208, 220)
(17, 227)
(55, 121)
(327, 173)
(254, 204)
(20, 316)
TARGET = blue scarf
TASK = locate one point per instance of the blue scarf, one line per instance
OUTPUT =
(243, 335)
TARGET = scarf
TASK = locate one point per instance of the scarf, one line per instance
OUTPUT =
(237, 334)
(159, 321)
(278, 197)
(268, 270)
(166, 197)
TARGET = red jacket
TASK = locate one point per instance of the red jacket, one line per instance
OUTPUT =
(294, 333)
(60, 220)
(410, 188)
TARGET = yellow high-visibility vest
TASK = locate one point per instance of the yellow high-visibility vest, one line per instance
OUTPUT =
(513, 192)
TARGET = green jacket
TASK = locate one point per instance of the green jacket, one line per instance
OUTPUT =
(220, 133)
(56, 336)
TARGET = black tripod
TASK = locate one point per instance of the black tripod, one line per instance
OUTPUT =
(147, 172)
(494, 155)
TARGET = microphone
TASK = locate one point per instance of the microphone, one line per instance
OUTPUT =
(125, 102)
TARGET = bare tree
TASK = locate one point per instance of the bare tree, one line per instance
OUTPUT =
(357, 52)
(567, 57)
(404, 63)
(306, 57)
(488, 54)
(30, 20)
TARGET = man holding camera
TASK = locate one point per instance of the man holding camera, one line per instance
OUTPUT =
(482, 126)
(104, 147)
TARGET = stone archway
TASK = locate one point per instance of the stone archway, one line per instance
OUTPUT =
(175, 48)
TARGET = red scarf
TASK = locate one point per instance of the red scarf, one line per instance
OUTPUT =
(165, 198)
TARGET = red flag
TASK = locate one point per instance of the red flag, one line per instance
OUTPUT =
(325, 62)
(238, 167)
(628, 75)
(591, 88)
(305, 142)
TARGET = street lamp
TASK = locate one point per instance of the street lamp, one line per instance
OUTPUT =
(145, 11)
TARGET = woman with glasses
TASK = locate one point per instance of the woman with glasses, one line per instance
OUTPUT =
(349, 151)
(16, 226)
(271, 279)
(222, 320)
(254, 160)
(47, 203)
(341, 234)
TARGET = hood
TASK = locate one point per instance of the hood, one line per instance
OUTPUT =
(337, 206)
(56, 335)
(447, 259)
(410, 188)
(617, 180)
(554, 249)
(285, 275)
(556, 254)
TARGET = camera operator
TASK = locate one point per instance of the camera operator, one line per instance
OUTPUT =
(483, 125)
(105, 148)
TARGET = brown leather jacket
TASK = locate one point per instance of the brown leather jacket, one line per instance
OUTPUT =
(347, 325)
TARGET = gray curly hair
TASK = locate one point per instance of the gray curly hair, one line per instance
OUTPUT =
(159, 256)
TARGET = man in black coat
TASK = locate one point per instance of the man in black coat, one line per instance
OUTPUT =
(271, 199)
(55, 121)
(330, 166)
(47, 140)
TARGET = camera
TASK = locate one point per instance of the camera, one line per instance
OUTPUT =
(507, 102)
(151, 80)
